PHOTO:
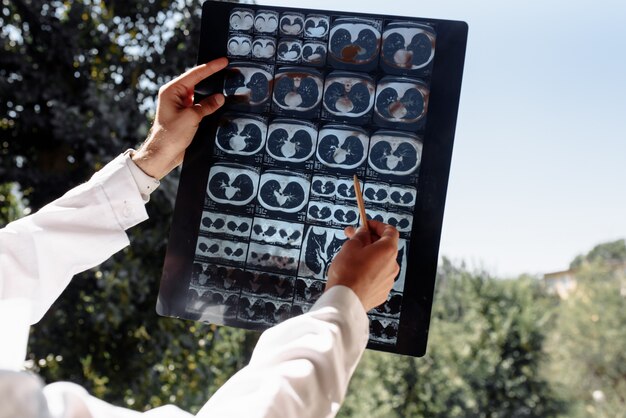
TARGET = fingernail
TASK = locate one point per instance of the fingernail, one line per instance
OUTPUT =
(220, 99)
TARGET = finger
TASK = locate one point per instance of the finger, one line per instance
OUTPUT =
(390, 232)
(191, 77)
(209, 104)
(376, 227)
(388, 241)
(350, 231)
(188, 99)
(361, 236)
(396, 271)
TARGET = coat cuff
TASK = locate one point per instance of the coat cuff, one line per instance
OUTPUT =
(343, 299)
(122, 191)
(145, 183)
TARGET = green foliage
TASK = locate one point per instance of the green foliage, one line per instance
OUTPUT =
(11, 203)
(612, 252)
(589, 343)
(114, 344)
(484, 357)
(78, 81)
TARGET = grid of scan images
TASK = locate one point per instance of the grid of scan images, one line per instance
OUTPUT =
(311, 100)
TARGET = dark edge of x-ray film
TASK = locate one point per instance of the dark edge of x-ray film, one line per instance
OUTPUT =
(313, 97)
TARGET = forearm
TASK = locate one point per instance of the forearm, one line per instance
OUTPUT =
(40, 253)
(301, 367)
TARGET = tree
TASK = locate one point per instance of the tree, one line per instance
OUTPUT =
(589, 343)
(485, 355)
(611, 252)
(12, 204)
(77, 81)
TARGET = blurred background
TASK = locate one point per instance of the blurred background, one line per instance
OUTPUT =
(529, 317)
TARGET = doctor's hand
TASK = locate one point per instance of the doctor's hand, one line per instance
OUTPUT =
(367, 263)
(177, 119)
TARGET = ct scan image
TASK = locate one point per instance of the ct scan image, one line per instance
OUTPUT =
(313, 98)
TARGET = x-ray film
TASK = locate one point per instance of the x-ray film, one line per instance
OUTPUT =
(312, 98)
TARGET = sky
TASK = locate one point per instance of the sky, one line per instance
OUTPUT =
(538, 172)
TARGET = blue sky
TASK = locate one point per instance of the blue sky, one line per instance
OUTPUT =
(539, 166)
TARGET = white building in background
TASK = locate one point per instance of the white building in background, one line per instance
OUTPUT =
(561, 283)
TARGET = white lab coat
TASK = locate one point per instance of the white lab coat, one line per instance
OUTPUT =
(300, 368)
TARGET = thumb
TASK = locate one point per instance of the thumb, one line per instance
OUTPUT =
(210, 104)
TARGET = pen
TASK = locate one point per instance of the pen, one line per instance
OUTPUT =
(359, 201)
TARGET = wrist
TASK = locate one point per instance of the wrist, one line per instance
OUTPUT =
(141, 158)
(159, 154)
(150, 158)
(146, 183)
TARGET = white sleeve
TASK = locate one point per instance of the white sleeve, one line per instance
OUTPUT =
(300, 368)
(145, 183)
(40, 253)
